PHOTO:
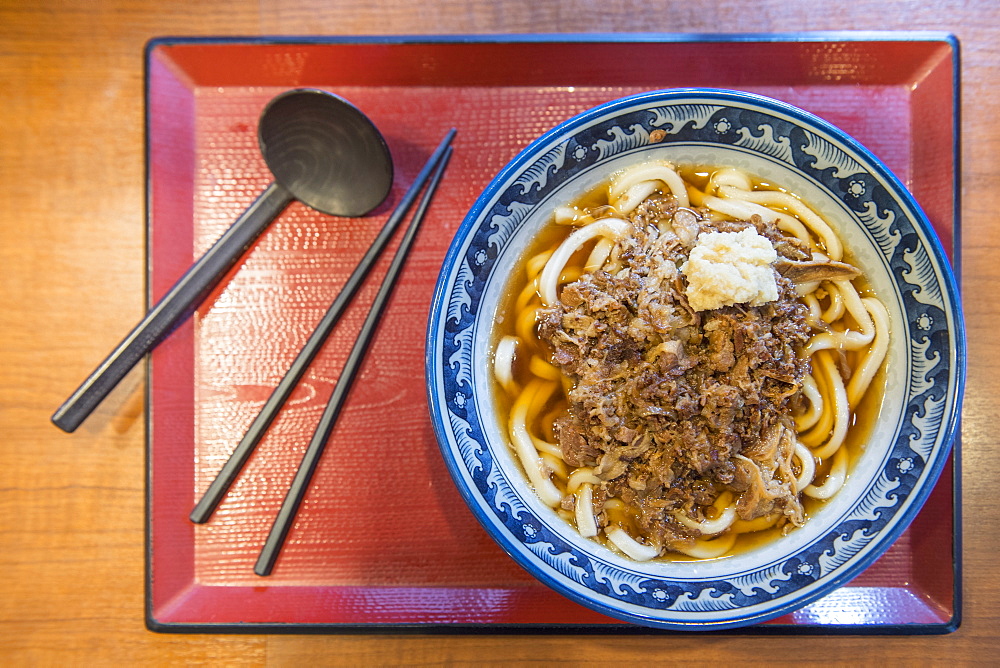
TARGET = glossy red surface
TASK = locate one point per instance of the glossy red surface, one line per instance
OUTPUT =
(383, 537)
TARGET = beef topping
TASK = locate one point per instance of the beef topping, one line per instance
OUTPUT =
(672, 406)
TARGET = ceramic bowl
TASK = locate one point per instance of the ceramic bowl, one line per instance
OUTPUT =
(892, 242)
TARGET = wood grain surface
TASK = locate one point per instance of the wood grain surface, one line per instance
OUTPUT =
(71, 282)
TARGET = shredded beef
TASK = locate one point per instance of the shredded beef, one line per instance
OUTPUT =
(670, 406)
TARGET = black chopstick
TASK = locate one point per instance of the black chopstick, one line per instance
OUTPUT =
(289, 507)
(231, 469)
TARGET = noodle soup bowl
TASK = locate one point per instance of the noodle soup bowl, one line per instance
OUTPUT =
(890, 240)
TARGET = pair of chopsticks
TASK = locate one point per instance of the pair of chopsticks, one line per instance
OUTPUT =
(433, 170)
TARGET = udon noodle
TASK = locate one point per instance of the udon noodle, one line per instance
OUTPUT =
(682, 359)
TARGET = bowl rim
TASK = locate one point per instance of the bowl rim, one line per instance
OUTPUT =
(946, 429)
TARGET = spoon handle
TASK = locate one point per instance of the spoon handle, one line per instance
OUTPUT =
(177, 304)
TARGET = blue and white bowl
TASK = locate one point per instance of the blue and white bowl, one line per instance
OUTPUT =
(892, 242)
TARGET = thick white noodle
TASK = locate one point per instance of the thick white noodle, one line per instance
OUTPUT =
(850, 339)
(581, 476)
(602, 249)
(536, 263)
(872, 361)
(548, 283)
(840, 408)
(807, 466)
(781, 200)
(815, 317)
(729, 176)
(756, 524)
(554, 462)
(631, 546)
(527, 294)
(543, 369)
(710, 549)
(534, 466)
(503, 362)
(804, 289)
(743, 210)
(834, 481)
(634, 196)
(811, 392)
(565, 215)
(709, 527)
(856, 307)
(546, 448)
(584, 511)
(654, 171)
(525, 323)
(835, 311)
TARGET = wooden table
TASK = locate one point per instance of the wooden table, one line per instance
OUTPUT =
(71, 281)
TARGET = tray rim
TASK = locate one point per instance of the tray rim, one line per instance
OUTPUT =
(943, 37)
(569, 37)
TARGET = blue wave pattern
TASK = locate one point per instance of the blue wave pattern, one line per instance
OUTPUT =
(620, 141)
(881, 227)
(537, 174)
(827, 155)
(676, 117)
(470, 449)
(844, 547)
(766, 142)
(506, 225)
(460, 299)
(751, 128)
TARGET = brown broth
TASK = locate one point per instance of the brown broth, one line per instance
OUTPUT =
(863, 417)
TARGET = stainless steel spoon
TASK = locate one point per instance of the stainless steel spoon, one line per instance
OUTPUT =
(323, 152)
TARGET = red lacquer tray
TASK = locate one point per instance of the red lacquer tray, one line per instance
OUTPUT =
(383, 540)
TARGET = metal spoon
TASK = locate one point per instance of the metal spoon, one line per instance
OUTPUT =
(323, 152)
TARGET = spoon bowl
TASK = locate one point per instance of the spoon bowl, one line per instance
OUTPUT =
(325, 152)
(322, 151)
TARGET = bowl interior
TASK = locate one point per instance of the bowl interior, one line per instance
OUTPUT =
(855, 237)
(888, 239)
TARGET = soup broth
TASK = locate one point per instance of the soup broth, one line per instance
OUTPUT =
(821, 431)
